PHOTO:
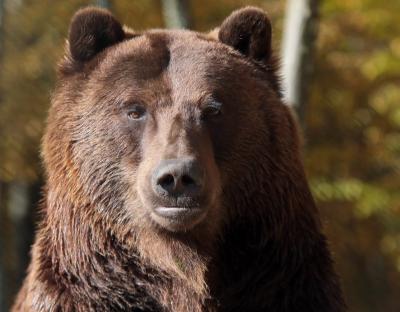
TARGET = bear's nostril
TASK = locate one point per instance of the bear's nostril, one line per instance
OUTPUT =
(166, 181)
(187, 180)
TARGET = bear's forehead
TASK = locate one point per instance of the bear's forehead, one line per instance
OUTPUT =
(179, 53)
(184, 65)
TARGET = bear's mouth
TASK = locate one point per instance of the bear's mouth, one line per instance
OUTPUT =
(178, 218)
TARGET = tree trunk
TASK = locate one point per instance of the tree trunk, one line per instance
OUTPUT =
(104, 4)
(176, 13)
(300, 33)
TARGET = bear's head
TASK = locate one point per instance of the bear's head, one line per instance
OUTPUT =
(169, 134)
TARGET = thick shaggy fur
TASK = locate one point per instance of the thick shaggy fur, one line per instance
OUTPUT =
(260, 248)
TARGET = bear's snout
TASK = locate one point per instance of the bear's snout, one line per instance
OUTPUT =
(178, 178)
(178, 187)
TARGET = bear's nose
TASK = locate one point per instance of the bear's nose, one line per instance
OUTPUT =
(178, 177)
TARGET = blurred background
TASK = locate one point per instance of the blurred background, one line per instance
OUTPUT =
(342, 67)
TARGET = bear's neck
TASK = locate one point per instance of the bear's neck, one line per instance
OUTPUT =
(277, 249)
(103, 267)
(83, 253)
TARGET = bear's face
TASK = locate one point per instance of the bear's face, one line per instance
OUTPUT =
(164, 121)
(166, 118)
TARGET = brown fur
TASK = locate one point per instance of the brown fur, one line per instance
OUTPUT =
(259, 247)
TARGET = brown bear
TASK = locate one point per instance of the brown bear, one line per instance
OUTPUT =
(174, 178)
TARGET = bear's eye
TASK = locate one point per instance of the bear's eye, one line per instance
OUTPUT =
(136, 112)
(212, 110)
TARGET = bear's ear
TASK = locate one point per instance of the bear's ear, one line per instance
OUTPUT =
(248, 30)
(91, 31)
